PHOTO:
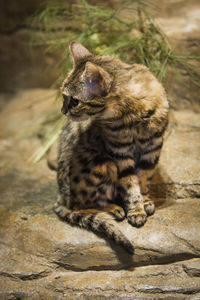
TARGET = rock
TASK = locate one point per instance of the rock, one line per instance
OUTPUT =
(180, 21)
(167, 237)
(148, 282)
(42, 256)
(178, 174)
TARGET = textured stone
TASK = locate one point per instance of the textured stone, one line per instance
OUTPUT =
(40, 255)
(180, 21)
(172, 234)
(148, 282)
(178, 174)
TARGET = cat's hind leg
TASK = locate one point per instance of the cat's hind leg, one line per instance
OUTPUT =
(107, 172)
(97, 212)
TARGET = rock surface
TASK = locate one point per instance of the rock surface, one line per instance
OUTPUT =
(173, 281)
(40, 256)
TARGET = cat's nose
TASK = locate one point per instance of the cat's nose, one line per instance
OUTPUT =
(66, 101)
(66, 98)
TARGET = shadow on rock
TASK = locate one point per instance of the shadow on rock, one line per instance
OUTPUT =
(159, 189)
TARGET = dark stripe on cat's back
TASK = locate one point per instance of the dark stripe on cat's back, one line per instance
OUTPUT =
(123, 126)
(147, 165)
(100, 160)
(119, 144)
(120, 156)
(153, 136)
(154, 149)
(118, 118)
(127, 172)
(116, 127)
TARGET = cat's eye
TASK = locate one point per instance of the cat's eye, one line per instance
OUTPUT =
(73, 102)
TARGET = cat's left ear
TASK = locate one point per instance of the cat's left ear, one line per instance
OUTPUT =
(97, 80)
(78, 52)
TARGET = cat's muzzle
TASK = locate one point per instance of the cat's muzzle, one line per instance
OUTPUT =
(68, 103)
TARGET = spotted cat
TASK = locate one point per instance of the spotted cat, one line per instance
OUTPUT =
(110, 145)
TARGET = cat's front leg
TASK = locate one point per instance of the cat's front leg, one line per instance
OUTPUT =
(145, 177)
(129, 190)
(133, 201)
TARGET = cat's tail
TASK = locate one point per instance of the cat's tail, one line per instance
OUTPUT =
(98, 221)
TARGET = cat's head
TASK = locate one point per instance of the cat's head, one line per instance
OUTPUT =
(87, 86)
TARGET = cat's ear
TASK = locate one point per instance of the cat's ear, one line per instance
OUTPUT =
(78, 51)
(97, 80)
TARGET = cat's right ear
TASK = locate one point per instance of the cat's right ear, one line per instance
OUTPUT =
(97, 80)
(78, 52)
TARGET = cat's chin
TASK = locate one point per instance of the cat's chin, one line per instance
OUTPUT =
(66, 114)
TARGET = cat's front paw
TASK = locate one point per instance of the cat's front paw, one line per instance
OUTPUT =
(137, 218)
(149, 208)
(118, 213)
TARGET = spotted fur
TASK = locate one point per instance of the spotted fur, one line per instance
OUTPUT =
(110, 145)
